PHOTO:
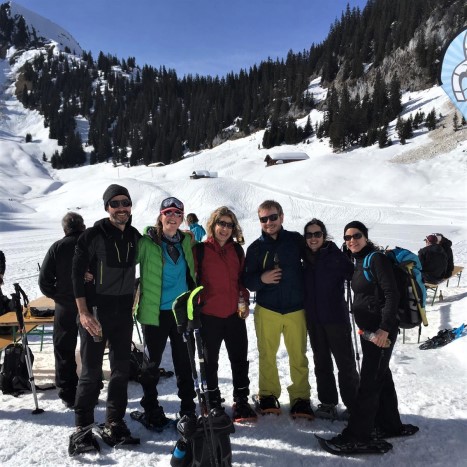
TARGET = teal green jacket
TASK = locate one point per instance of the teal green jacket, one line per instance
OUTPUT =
(150, 259)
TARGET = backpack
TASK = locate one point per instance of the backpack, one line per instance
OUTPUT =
(14, 376)
(197, 447)
(141, 369)
(408, 274)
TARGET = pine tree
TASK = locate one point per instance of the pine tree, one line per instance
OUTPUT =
(455, 121)
(430, 120)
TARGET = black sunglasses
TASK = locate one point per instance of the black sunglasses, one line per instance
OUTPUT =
(355, 236)
(229, 225)
(116, 203)
(318, 234)
(271, 217)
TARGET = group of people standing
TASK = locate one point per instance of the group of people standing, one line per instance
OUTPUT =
(299, 284)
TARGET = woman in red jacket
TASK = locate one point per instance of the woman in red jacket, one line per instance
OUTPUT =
(219, 263)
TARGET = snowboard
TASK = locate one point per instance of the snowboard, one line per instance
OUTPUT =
(274, 410)
(373, 447)
(139, 417)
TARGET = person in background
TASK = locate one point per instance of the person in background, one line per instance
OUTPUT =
(375, 413)
(274, 270)
(446, 245)
(108, 251)
(167, 270)
(2, 266)
(55, 282)
(328, 320)
(434, 261)
(197, 229)
(219, 264)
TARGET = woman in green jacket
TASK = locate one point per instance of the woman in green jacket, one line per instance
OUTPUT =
(166, 271)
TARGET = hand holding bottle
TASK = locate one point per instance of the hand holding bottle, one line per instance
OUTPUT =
(379, 338)
(242, 310)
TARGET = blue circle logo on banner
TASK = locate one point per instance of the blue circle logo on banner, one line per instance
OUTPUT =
(454, 72)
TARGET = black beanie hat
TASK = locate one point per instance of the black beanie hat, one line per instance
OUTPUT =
(357, 225)
(114, 190)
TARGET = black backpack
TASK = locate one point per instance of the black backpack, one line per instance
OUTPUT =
(193, 449)
(14, 376)
(141, 369)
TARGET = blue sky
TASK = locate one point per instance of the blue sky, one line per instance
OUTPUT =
(208, 37)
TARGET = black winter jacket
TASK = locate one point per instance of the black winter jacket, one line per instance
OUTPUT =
(55, 274)
(375, 303)
(324, 285)
(446, 245)
(109, 254)
(2, 262)
(434, 262)
(287, 295)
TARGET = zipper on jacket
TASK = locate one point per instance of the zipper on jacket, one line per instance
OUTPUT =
(265, 259)
(118, 252)
(101, 273)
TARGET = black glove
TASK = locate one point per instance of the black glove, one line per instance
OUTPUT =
(187, 310)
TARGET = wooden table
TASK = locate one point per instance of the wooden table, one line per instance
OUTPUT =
(30, 323)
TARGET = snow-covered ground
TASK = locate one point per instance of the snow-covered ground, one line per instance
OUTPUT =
(400, 202)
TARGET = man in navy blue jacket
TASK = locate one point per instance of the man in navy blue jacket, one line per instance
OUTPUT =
(274, 270)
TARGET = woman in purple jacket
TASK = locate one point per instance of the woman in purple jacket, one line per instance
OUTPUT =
(328, 322)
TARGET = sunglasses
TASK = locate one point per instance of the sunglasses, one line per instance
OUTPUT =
(314, 234)
(172, 213)
(228, 225)
(172, 203)
(124, 203)
(356, 236)
(271, 217)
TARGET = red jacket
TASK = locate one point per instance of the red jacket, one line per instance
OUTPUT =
(220, 275)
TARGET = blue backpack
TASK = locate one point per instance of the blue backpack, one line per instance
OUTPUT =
(408, 273)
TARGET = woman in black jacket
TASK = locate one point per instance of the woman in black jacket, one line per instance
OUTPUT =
(328, 322)
(376, 413)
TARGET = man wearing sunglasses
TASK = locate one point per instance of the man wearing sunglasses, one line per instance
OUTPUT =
(273, 269)
(108, 251)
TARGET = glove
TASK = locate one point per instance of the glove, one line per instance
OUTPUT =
(187, 310)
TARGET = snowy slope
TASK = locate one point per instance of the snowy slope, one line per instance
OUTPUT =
(402, 193)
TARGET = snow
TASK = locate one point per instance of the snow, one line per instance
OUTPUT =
(46, 29)
(400, 202)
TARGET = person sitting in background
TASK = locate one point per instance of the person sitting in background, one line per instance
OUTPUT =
(2, 266)
(328, 319)
(55, 282)
(446, 244)
(197, 229)
(434, 261)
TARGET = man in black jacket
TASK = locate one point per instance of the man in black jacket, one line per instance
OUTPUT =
(434, 261)
(55, 283)
(108, 251)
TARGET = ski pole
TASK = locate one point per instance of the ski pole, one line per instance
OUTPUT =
(349, 305)
(202, 371)
(194, 373)
(24, 339)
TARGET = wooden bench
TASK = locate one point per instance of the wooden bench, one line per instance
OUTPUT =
(456, 272)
